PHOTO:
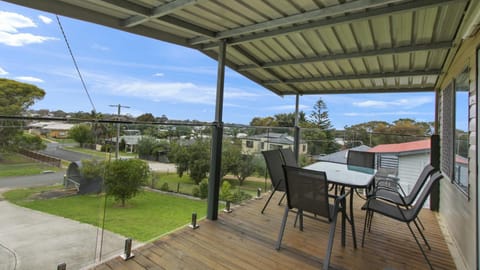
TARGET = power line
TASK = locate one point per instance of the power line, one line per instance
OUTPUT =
(75, 63)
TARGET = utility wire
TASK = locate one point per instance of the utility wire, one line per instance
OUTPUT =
(75, 63)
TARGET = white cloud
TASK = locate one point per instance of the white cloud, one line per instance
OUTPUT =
(287, 108)
(29, 79)
(99, 47)
(3, 71)
(45, 19)
(357, 114)
(165, 92)
(172, 92)
(405, 103)
(10, 23)
(158, 74)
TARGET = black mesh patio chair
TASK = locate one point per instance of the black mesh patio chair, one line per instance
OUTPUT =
(307, 191)
(274, 161)
(402, 214)
(390, 190)
(289, 157)
(361, 159)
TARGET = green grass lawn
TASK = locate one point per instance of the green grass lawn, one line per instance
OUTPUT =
(98, 154)
(13, 164)
(186, 184)
(146, 216)
(94, 153)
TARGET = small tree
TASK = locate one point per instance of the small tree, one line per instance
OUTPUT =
(245, 168)
(92, 168)
(125, 177)
(81, 133)
(145, 146)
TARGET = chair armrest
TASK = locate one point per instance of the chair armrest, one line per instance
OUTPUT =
(390, 200)
(398, 186)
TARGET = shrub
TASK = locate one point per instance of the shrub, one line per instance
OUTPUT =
(203, 189)
(225, 192)
(195, 192)
(164, 187)
(239, 196)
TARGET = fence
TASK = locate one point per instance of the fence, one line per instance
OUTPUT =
(42, 158)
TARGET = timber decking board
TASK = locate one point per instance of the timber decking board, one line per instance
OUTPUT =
(245, 239)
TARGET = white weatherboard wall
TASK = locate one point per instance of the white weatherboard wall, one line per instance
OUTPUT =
(458, 210)
(410, 167)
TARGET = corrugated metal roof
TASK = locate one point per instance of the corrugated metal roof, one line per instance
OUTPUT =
(300, 46)
(402, 147)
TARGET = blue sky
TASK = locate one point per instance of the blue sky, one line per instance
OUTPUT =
(155, 77)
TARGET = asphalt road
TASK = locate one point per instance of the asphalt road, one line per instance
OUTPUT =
(32, 180)
(56, 150)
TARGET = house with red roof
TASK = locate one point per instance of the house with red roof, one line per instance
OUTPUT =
(405, 159)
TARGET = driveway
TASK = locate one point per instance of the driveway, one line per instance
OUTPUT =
(34, 240)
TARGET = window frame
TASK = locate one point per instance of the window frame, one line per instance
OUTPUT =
(453, 176)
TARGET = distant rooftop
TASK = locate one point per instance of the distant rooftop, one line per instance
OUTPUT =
(273, 137)
(341, 156)
(415, 146)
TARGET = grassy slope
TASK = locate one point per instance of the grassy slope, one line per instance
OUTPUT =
(12, 164)
(146, 216)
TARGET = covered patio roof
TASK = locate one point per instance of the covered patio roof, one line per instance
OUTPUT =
(301, 47)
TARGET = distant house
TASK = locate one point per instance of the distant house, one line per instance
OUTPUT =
(269, 141)
(407, 159)
(340, 156)
(51, 129)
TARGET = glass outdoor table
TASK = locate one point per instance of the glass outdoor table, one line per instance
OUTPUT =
(353, 177)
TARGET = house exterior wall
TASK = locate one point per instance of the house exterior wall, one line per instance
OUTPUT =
(459, 211)
(60, 134)
(410, 167)
(250, 147)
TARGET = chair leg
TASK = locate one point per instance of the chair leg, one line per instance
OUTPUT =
(300, 212)
(423, 236)
(367, 214)
(370, 219)
(281, 199)
(333, 225)
(420, 246)
(268, 200)
(282, 228)
(420, 222)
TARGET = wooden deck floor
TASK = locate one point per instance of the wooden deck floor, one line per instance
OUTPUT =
(244, 239)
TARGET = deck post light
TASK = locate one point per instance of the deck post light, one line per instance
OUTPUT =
(194, 224)
(127, 250)
(227, 208)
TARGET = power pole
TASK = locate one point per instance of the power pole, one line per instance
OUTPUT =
(119, 106)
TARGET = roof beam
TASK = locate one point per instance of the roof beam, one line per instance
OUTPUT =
(143, 12)
(403, 49)
(356, 77)
(251, 59)
(299, 18)
(367, 90)
(370, 13)
(88, 15)
(157, 12)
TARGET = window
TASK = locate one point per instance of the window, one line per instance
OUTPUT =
(262, 145)
(249, 144)
(461, 144)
